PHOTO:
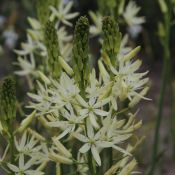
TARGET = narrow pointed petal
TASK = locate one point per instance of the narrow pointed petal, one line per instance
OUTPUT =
(101, 112)
(96, 155)
(80, 137)
(90, 130)
(85, 148)
(93, 120)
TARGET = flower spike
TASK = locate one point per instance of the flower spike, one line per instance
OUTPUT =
(80, 49)
(52, 44)
(7, 102)
(111, 39)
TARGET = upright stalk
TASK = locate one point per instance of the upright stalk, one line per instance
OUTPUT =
(91, 165)
(166, 64)
(11, 144)
(92, 168)
(12, 148)
(107, 156)
(82, 85)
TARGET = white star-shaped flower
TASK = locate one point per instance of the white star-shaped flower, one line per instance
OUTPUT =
(92, 142)
(28, 145)
(92, 108)
(24, 168)
(130, 14)
(69, 122)
(62, 13)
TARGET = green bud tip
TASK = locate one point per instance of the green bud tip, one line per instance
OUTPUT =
(82, 31)
(111, 38)
(109, 24)
(80, 44)
(82, 25)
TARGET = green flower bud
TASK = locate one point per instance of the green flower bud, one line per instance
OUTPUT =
(26, 122)
(65, 66)
(81, 49)
(131, 54)
(111, 39)
(8, 100)
(51, 41)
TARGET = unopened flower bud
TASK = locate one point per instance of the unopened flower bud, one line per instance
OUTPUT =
(65, 66)
(131, 54)
(61, 147)
(103, 71)
(36, 135)
(59, 158)
(44, 77)
(26, 122)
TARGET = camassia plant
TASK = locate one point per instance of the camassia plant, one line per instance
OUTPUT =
(85, 119)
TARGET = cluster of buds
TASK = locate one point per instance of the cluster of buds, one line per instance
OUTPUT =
(8, 102)
(52, 46)
(81, 51)
(112, 39)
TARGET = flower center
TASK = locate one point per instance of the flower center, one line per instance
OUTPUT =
(92, 141)
(90, 109)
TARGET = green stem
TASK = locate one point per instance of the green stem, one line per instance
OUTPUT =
(172, 121)
(30, 83)
(91, 165)
(12, 149)
(92, 169)
(110, 157)
(11, 144)
(166, 49)
(82, 86)
(107, 159)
